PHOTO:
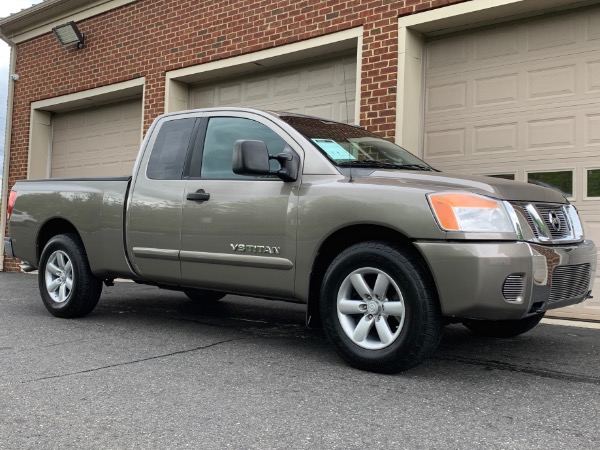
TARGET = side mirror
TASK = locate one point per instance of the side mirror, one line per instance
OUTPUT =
(252, 158)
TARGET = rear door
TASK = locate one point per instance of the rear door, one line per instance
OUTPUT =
(156, 201)
(238, 232)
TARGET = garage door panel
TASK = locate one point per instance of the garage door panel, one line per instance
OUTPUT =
(592, 25)
(325, 89)
(555, 133)
(527, 85)
(320, 78)
(551, 133)
(555, 32)
(496, 43)
(101, 141)
(258, 90)
(287, 84)
(551, 82)
(447, 97)
(500, 89)
(95, 118)
(447, 53)
(536, 40)
(495, 138)
(93, 144)
(520, 99)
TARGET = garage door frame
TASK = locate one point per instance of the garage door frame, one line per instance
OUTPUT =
(412, 33)
(177, 85)
(40, 133)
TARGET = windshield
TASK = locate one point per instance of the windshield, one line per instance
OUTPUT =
(347, 145)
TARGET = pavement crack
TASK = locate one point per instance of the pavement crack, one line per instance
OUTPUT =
(545, 373)
(126, 363)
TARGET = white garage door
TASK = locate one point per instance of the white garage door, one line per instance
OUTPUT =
(101, 141)
(323, 89)
(523, 101)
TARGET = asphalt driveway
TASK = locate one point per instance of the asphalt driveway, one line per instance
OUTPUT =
(150, 369)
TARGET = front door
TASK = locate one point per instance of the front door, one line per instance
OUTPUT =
(238, 232)
(155, 208)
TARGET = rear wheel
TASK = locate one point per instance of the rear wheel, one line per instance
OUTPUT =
(67, 285)
(204, 296)
(503, 328)
(379, 308)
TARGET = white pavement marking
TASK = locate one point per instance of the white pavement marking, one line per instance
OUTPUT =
(572, 323)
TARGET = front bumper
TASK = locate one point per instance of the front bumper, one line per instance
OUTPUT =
(470, 277)
(8, 248)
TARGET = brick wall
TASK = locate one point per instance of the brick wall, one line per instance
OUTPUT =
(150, 37)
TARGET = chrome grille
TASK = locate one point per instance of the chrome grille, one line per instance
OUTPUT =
(513, 287)
(570, 282)
(540, 218)
(546, 210)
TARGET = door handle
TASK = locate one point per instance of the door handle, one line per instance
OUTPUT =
(198, 196)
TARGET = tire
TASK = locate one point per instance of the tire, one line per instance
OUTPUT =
(67, 285)
(503, 328)
(204, 296)
(379, 308)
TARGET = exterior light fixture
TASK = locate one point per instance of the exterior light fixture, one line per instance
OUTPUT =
(69, 34)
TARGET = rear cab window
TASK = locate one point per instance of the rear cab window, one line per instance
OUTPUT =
(170, 149)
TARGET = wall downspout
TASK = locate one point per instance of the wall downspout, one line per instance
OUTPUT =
(7, 142)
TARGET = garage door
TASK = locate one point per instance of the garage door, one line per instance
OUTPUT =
(323, 89)
(101, 141)
(522, 101)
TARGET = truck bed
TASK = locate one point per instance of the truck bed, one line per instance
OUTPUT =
(93, 206)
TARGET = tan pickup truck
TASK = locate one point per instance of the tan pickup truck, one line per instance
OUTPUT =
(382, 248)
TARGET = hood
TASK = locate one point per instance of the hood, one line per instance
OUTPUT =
(439, 181)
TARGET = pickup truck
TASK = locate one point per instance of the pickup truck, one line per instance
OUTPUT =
(383, 249)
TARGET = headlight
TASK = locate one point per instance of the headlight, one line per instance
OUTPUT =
(462, 211)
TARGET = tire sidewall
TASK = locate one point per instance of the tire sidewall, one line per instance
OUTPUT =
(394, 264)
(73, 306)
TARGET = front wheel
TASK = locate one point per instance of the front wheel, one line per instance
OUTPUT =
(503, 328)
(379, 308)
(67, 285)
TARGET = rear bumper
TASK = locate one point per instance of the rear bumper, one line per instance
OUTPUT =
(8, 248)
(471, 277)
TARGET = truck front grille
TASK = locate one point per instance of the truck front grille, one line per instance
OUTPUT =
(570, 282)
(548, 221)
(546, 211)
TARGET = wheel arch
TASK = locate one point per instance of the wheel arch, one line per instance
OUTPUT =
(342, 239)
(51, 228)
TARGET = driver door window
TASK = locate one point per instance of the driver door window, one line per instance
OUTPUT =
(221, 134)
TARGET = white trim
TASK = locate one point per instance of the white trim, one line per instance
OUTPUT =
(177, 81)
(585, 195)
(568, 323)
(265, 56)
(77, 14)
(84, 99)
(476, 13)
(359, 47)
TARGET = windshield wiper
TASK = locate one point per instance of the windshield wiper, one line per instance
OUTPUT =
(415, 167)
(383, 165)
